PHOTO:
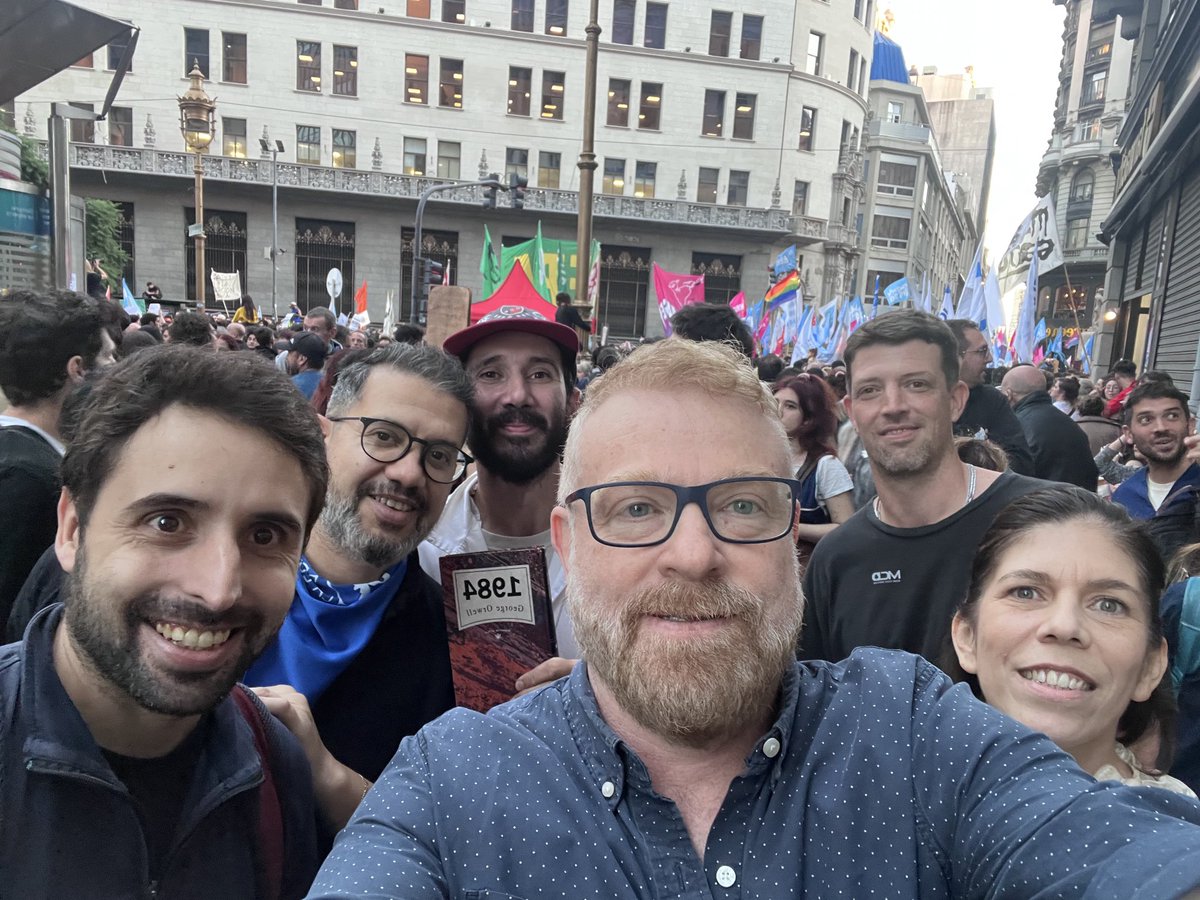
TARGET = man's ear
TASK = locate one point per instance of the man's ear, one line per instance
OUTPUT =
(560, 535)
(75, 368)
(573, 400)
(326, 425)
(68, 540)
(958, 399)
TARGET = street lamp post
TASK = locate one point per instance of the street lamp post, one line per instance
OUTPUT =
(587, 155)
(198, 123)
(274, 151)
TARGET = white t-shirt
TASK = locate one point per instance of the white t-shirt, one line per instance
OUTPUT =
(1156, 493)
(832, 478)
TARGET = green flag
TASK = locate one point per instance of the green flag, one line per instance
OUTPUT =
(488, 267)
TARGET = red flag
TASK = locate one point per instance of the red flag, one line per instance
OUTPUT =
(360, 299)
(446, 273)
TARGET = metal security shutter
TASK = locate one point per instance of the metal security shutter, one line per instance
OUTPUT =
(1181, 307)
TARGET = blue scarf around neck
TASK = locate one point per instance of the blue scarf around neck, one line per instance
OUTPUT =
(327, 626)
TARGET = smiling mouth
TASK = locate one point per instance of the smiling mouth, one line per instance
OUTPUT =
(399, 504)
(1056, 679)
(192, 638)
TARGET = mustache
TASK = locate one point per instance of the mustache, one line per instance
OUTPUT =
(385, 487)
(518, 417)
(178, 611)
(714, 599)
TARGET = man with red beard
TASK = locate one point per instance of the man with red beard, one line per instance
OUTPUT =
(522, 367)
(689, 754)
(127, 768)
(365, 639)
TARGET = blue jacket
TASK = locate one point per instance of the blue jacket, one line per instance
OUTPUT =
(69, 828)
(1132, 494)
(1173, 524)
(1187, 726)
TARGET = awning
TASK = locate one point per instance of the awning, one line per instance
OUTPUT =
(39, 38)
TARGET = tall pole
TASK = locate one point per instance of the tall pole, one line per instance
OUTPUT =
(274, 228)
(587, 155)
(201, 294)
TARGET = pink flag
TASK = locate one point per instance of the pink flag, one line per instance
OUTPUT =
(738, 304)
(674, 292)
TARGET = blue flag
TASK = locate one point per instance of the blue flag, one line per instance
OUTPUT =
(785, 261)
(947, 310)
(1087, 354)
(1023, 340)
(1039, 333)
(129, 303)
(896, 292)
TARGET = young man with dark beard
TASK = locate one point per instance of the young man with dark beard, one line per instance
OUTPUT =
(364, 642)
(127, 768)
(690, 755)
(522, 367)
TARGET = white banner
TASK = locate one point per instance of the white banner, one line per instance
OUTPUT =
(227, 286)
(1037, 238)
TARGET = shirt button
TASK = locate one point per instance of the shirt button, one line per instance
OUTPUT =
(608, 789)
(726, 876)
(770, 748)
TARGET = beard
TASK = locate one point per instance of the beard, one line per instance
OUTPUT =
(343, 525)
(106, 632)
(689, 691)
(1169, 458)
(518, 460)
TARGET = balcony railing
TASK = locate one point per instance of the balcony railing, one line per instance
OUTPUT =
(776, 222)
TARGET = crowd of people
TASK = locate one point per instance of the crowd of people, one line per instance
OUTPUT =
(228, 671)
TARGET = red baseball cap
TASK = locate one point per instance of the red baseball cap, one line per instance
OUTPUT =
(512, 318)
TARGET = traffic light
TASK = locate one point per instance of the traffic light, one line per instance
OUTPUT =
(489, 193)
(517, 185)
(432, 272)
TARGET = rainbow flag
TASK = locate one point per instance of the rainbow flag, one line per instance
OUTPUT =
(783, 290)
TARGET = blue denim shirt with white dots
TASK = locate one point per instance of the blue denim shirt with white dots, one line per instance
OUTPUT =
(878, 778)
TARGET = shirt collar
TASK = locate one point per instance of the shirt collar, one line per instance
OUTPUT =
(8, 421)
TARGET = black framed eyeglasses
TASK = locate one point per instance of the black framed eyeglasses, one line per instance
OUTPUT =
(753, 510)
(385, 441)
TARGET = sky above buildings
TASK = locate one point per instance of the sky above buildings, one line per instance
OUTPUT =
(1015, 47)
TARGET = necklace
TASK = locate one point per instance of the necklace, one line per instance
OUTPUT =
(971, 475)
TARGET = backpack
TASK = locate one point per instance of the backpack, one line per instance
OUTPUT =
(1187, 656)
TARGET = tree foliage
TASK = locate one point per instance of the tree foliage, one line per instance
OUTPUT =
(102, 229)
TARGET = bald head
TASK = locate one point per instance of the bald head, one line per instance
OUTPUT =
(1022, 381)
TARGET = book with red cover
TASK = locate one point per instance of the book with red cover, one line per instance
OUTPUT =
(499, 621)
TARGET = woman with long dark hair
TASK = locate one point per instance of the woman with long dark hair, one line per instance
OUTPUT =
(806, 405)
(1060, 629)
(247, 312)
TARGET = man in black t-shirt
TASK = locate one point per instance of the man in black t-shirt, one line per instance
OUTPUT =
(892, 575)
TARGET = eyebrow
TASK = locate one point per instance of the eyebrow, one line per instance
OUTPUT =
(1093, 584)
(532, 361)
(647, 475)
(152, 502)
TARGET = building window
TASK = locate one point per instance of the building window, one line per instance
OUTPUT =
(644, 174)
(656, 26)
(345, 4)
(895, 112)
(618, 102)
(808, 127)
(519, 81)
(897, 179)
(195, 50)
(553, 94)
(418, 9)
(743, 116)
(752, 28)
(650, 107)
(549, 166)
(345, 149)
(624, 290)
(308, 66)
(416, 78)
(224, 248)
(450, 83)
(1094, 87)
(522, 15)
(454, 11)
(83, 130)
(233, 138)
(345, 71)
(722, 276)
(1077, 233)
(120, 126)
(116, 52)
(816, 52)
(739, 188)
(233, 58)
(623, 15)
(1088, 128)
(308, 145)
(891, 231)
(614, 176)
(449, 160)
(1081, 185)
(414, 156)
(706, 185)
(322, 245)
(86, 63)
(720, 27)
(556, 17)
(800, 199)
(852, 72)
(714, 113)
(516, 162)
(1098, 52)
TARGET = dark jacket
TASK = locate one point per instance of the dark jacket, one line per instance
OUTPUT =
(1059, 446)
(1099, 430)
(69, 828)
(1186, 766)
(1174, 523)
(988, 410)
(29, 489)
